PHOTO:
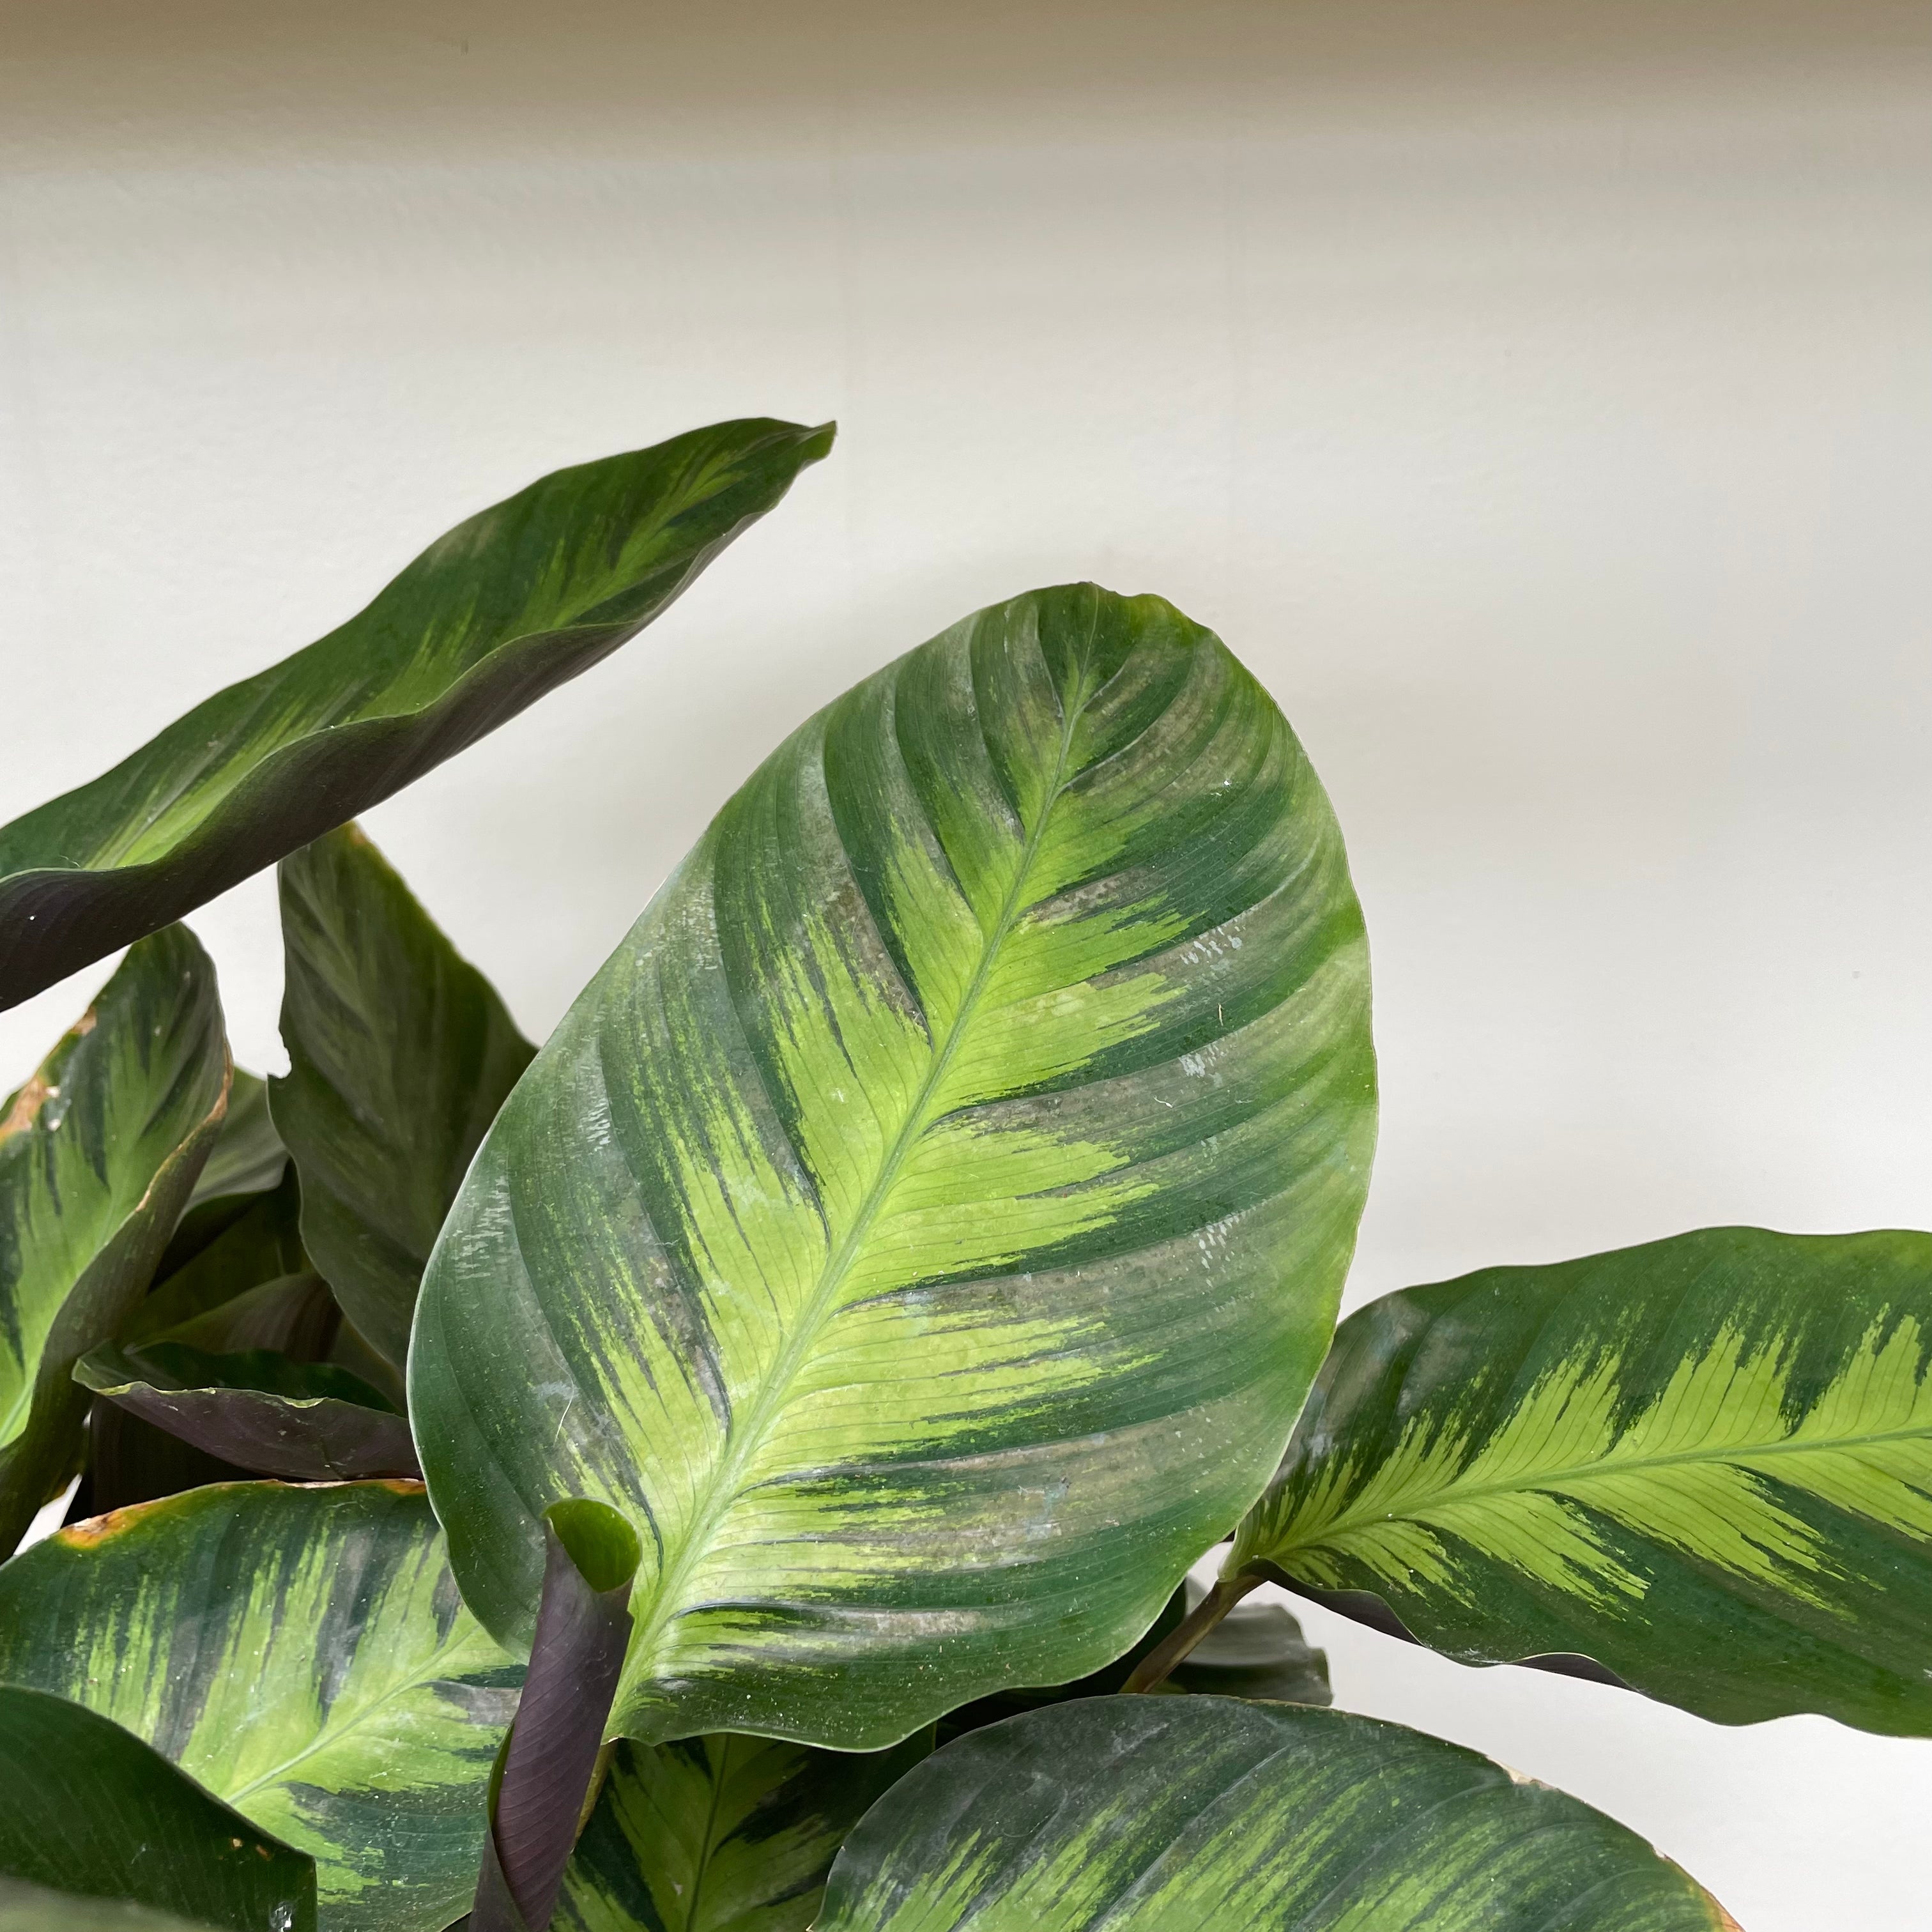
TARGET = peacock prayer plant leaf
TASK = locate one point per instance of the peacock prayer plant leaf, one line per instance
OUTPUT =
(1705, 1463)
(518, 599)
(926, 1225)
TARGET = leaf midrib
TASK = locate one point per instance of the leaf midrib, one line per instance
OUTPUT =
(327, 1736)
(723, 1490)
(708, 1851)
(1603, 1468)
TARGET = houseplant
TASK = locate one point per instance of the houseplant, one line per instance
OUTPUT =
(737, 1466)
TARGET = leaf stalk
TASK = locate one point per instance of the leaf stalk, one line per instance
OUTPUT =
(1173, 1650)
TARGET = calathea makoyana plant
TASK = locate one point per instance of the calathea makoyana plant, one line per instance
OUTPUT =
(736, 1467)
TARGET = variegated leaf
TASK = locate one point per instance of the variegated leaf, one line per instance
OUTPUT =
(720, 1833)
(98, 1152)
(500, 609)
(400, 1055)
(928, 1222)
(1207, 1814)
(1705, 1463)
(300, 1653)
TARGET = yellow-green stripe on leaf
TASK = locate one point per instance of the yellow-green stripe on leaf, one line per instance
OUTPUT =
(1705, 1463)
(498, 611)
(720, 1833)
(98, 1153)
(301, 1653)
(925, 1226)
(1213, 1814)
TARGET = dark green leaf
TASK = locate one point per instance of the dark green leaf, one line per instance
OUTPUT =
(262, 1244)
(503, 608)
(541, 1789)
(247, 1161)
(1208, 1814)
(257, 1409)
(248, 1157)
(400, 1055)
(303, 1655)
(86, 1808)
(931, 1218)
(720, 1833)
(98, 1152)
(1705, 1463)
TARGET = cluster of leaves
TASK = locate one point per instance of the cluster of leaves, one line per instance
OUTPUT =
(734, 1471)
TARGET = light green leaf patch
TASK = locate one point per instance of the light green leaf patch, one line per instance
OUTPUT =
(928, 1222)
(303, 1655)
(1705, 1463)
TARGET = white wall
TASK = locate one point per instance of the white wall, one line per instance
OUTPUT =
(1537, 396)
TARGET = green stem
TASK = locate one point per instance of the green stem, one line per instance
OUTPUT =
(1153, 1669)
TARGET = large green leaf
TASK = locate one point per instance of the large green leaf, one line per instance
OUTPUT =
(1705, 1463)
(1207, 1814)
(86, 1808)
(928, 1221)
(505, 607)
(400, 1055)
(720, 1833)
(98, 1152)
(301, 1653)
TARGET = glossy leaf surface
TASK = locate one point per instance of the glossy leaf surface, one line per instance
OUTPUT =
(504, 608)
(98, 1152)
(400, 1055)
(928, 1221)
(257, 1409)
(303, 1655)
(84, 1807)
(1200, 1814)
(720, 1833)
(1705, 1463)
